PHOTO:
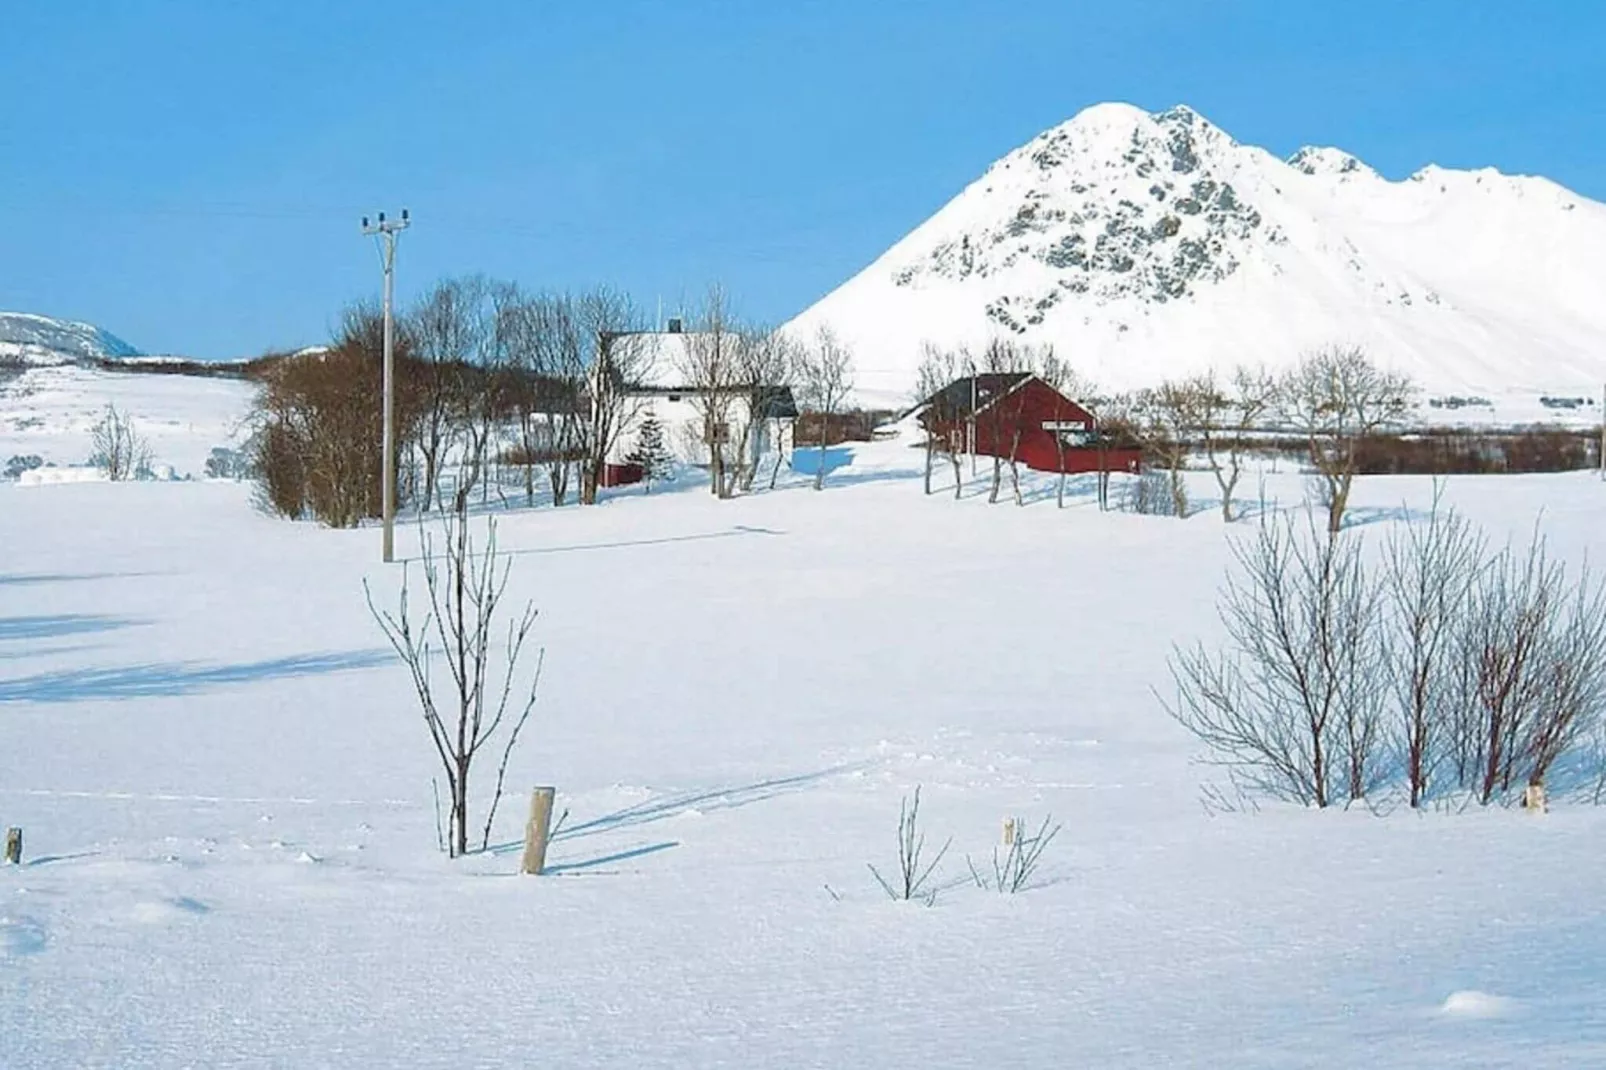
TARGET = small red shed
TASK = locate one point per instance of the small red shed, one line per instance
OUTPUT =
(1019, 415)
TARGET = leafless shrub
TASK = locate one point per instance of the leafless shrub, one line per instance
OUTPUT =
(1016, 862)
(913, 879)
(1154, 493)
(1292, 706)
(116, 446)
(465, 583)
(1533, 680)
(1433, 568)
(1491, 671)
(1163, 420)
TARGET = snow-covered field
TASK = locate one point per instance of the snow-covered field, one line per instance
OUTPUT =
(230, 844)
(49, 412)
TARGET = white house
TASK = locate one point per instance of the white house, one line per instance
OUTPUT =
(667, 392)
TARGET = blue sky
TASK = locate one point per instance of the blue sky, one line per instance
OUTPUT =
(190, 175)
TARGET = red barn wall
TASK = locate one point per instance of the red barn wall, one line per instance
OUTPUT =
(1029, 408)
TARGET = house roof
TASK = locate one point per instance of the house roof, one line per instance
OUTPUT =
(972, 394)
(665, 362)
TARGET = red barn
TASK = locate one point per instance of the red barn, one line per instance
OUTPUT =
(1018, 415)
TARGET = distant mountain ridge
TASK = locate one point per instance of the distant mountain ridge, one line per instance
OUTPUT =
(44, 340)
(1144, 246)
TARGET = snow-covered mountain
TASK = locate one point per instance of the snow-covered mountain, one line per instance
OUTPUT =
(43, 340)
(1144, 246)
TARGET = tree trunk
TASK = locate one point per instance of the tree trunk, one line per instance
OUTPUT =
(460, 809)
(1335, 508)
(998, 480)
(1014, 467)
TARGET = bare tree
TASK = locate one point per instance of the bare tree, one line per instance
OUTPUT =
(538, 395)
(116, 446)
(480, 708)
(1433, 568)
(1005, 419)
(564, 361)
(1068, 383)
(1336, 397)
(944, 417)
(1162, 417)
(711, 366)
(765, 359)
(1224, 419)
(1292, 707)
(936, 373)
(481, 397)
(444, 329)
(825, 376)
(622, 360)
(1114, 426)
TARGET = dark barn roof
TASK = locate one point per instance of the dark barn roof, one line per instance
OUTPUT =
(967, 396)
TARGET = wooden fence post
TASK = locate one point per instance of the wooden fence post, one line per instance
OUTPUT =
(1011, 829)
(538, 829)
(14, 846)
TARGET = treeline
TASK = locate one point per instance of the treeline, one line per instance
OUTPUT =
(490, 378)
(1334, 400)
(1336, 411)
(477, 363)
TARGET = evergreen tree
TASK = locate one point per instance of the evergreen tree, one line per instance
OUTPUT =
(651, 453)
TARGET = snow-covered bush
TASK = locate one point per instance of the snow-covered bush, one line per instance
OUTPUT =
(22, 463)
(226, 463)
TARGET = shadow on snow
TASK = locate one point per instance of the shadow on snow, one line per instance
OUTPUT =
(30, 579)
(620, 544)
(667, 806)
(172, 679)
(618, 856)
(60, 625)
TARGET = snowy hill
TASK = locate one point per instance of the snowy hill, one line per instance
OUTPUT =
(43, 340)
(1146, 246)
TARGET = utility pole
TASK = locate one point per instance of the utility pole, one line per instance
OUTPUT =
(386, 231)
